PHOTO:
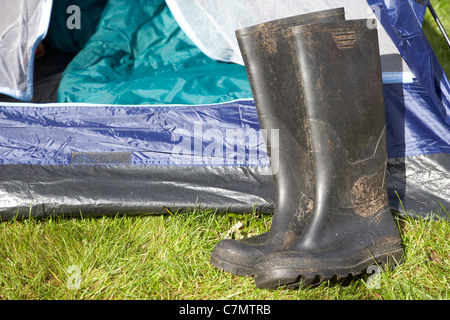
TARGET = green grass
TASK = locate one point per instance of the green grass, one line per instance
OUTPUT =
(167, 256)
(434, 35)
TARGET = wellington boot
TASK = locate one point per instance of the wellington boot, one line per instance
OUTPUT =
(347, 225)
(268, 60)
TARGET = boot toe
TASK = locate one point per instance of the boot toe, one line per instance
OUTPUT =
(236, 256)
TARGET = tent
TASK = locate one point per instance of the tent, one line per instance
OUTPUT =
(144, 106)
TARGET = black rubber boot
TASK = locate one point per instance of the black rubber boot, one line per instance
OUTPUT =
(348, 225)
(268, 61)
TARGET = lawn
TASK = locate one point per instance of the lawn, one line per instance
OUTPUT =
(167, 256)
(434, 35)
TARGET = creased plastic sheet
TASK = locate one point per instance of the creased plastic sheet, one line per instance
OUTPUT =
(207, 135)
(420, 185)
(100, 160)
(23, 25)
(211, 24)
(402, 21)
(415, 125)
(40, 191)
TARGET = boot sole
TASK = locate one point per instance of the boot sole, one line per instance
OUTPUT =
(293, 271)
(236, 265)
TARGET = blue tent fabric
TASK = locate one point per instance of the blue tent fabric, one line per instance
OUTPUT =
(106, 158)
(226, 134)
(403, 23)
(417, 114)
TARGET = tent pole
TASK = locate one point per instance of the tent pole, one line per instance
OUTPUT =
(441, 27)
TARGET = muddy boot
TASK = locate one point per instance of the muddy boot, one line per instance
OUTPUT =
(348, 225)
(268, 61)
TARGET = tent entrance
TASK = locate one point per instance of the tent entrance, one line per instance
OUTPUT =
(140, 110)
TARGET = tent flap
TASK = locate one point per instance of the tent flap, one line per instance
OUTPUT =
(22, 26)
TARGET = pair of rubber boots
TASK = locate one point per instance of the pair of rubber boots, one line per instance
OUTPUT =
(316, 78)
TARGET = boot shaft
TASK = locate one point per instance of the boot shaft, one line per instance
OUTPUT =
(268, 55)
(268, 60)
(339, 70)
(317, 79)
(320, 84)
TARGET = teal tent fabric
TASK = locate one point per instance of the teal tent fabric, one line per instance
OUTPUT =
(139, 55)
